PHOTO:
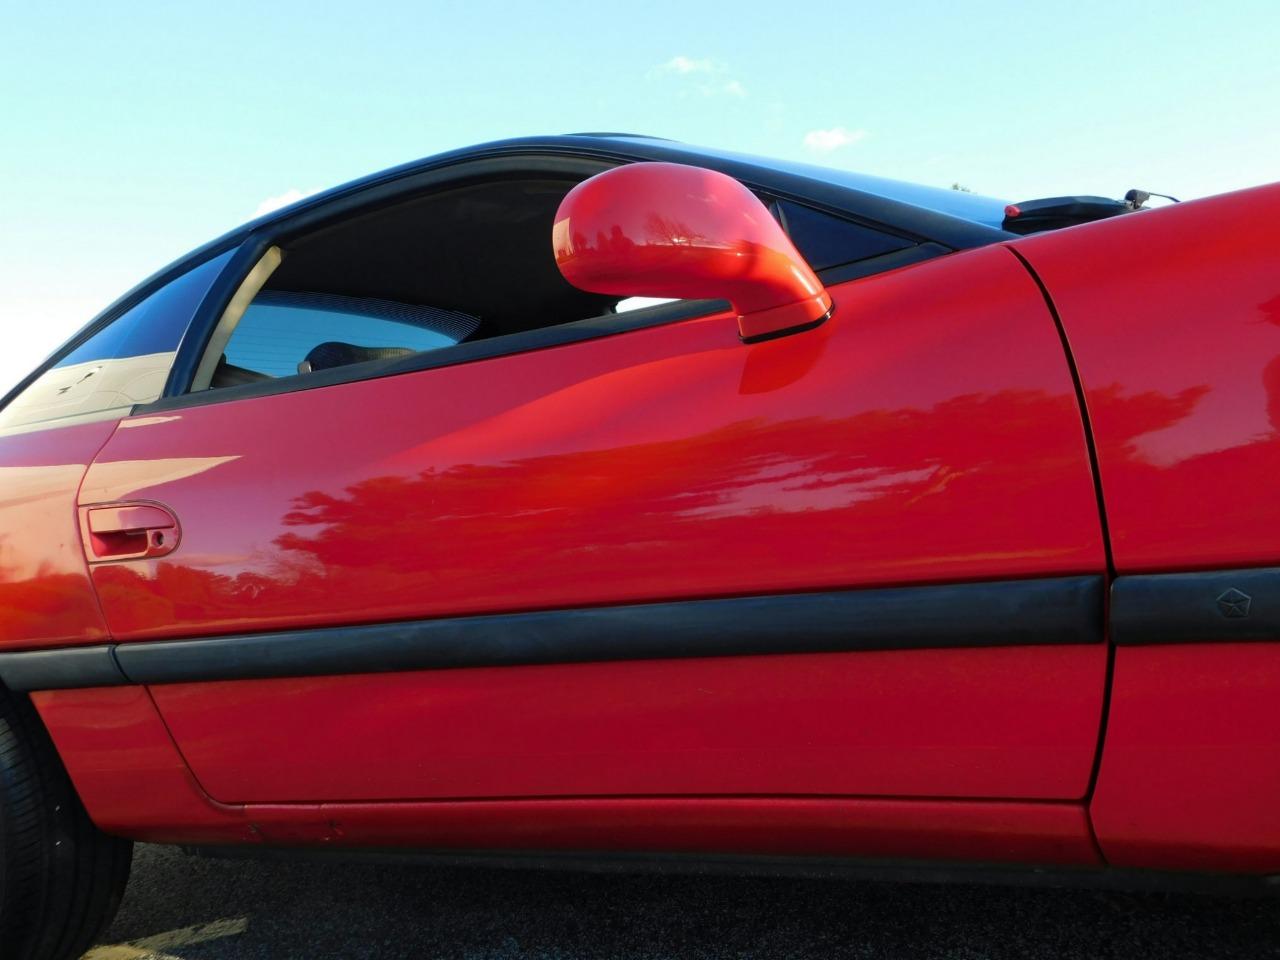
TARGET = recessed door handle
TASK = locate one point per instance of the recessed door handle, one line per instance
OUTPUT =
(128, 531)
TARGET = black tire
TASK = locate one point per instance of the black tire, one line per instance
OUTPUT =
(61, 879)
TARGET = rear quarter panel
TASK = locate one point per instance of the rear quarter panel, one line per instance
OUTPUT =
(1173, 318)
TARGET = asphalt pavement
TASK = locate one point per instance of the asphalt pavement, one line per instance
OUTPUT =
(197, 909)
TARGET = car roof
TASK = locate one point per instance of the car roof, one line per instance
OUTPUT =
(953, 202)
(974, 208)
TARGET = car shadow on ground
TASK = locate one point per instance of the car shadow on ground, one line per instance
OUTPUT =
(198, 909)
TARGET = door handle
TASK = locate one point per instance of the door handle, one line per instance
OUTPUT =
(128, 531)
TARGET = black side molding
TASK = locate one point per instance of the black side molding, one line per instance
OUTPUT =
(1061, 610)
(61, 668)
(1217, 605)
(1202, 607)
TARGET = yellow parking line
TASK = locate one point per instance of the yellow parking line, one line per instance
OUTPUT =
(155, 946)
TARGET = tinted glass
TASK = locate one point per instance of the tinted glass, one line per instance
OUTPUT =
(122, 365)
(156, 324)
(827, 241)
(280, 331)
(988, 211)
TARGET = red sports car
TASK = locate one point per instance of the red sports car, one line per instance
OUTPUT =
(897, 530)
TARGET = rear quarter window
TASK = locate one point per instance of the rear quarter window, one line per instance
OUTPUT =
(826, 241)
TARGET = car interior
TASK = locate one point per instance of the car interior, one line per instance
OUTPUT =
(417, 275)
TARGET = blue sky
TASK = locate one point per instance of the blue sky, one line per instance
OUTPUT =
(134, 132)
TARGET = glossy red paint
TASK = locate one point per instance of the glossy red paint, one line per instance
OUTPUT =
(128, 772)
(669, 230)
(893, 444)
(134, 783)
(998, 722)
(1189, 777)
(45, 594)
(1173, 316)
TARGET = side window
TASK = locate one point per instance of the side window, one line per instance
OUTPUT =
(124, 364)
(286, 333)
(829, 241)
(472, 262)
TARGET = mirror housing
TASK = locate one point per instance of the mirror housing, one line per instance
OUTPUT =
(670, 230)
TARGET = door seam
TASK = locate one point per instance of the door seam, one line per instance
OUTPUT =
(1096, 469)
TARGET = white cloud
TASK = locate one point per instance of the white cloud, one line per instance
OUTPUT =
(701, 75)
(272, 204)
(833, 138)
(690, 65)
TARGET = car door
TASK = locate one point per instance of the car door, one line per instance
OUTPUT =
(865, 560)
(50, 429)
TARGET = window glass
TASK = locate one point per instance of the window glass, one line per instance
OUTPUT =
(156, 324)
(126, 363)
(471, 261)
(828, 241)
(283, 334)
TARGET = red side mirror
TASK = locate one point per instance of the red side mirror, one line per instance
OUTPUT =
(668, 230)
